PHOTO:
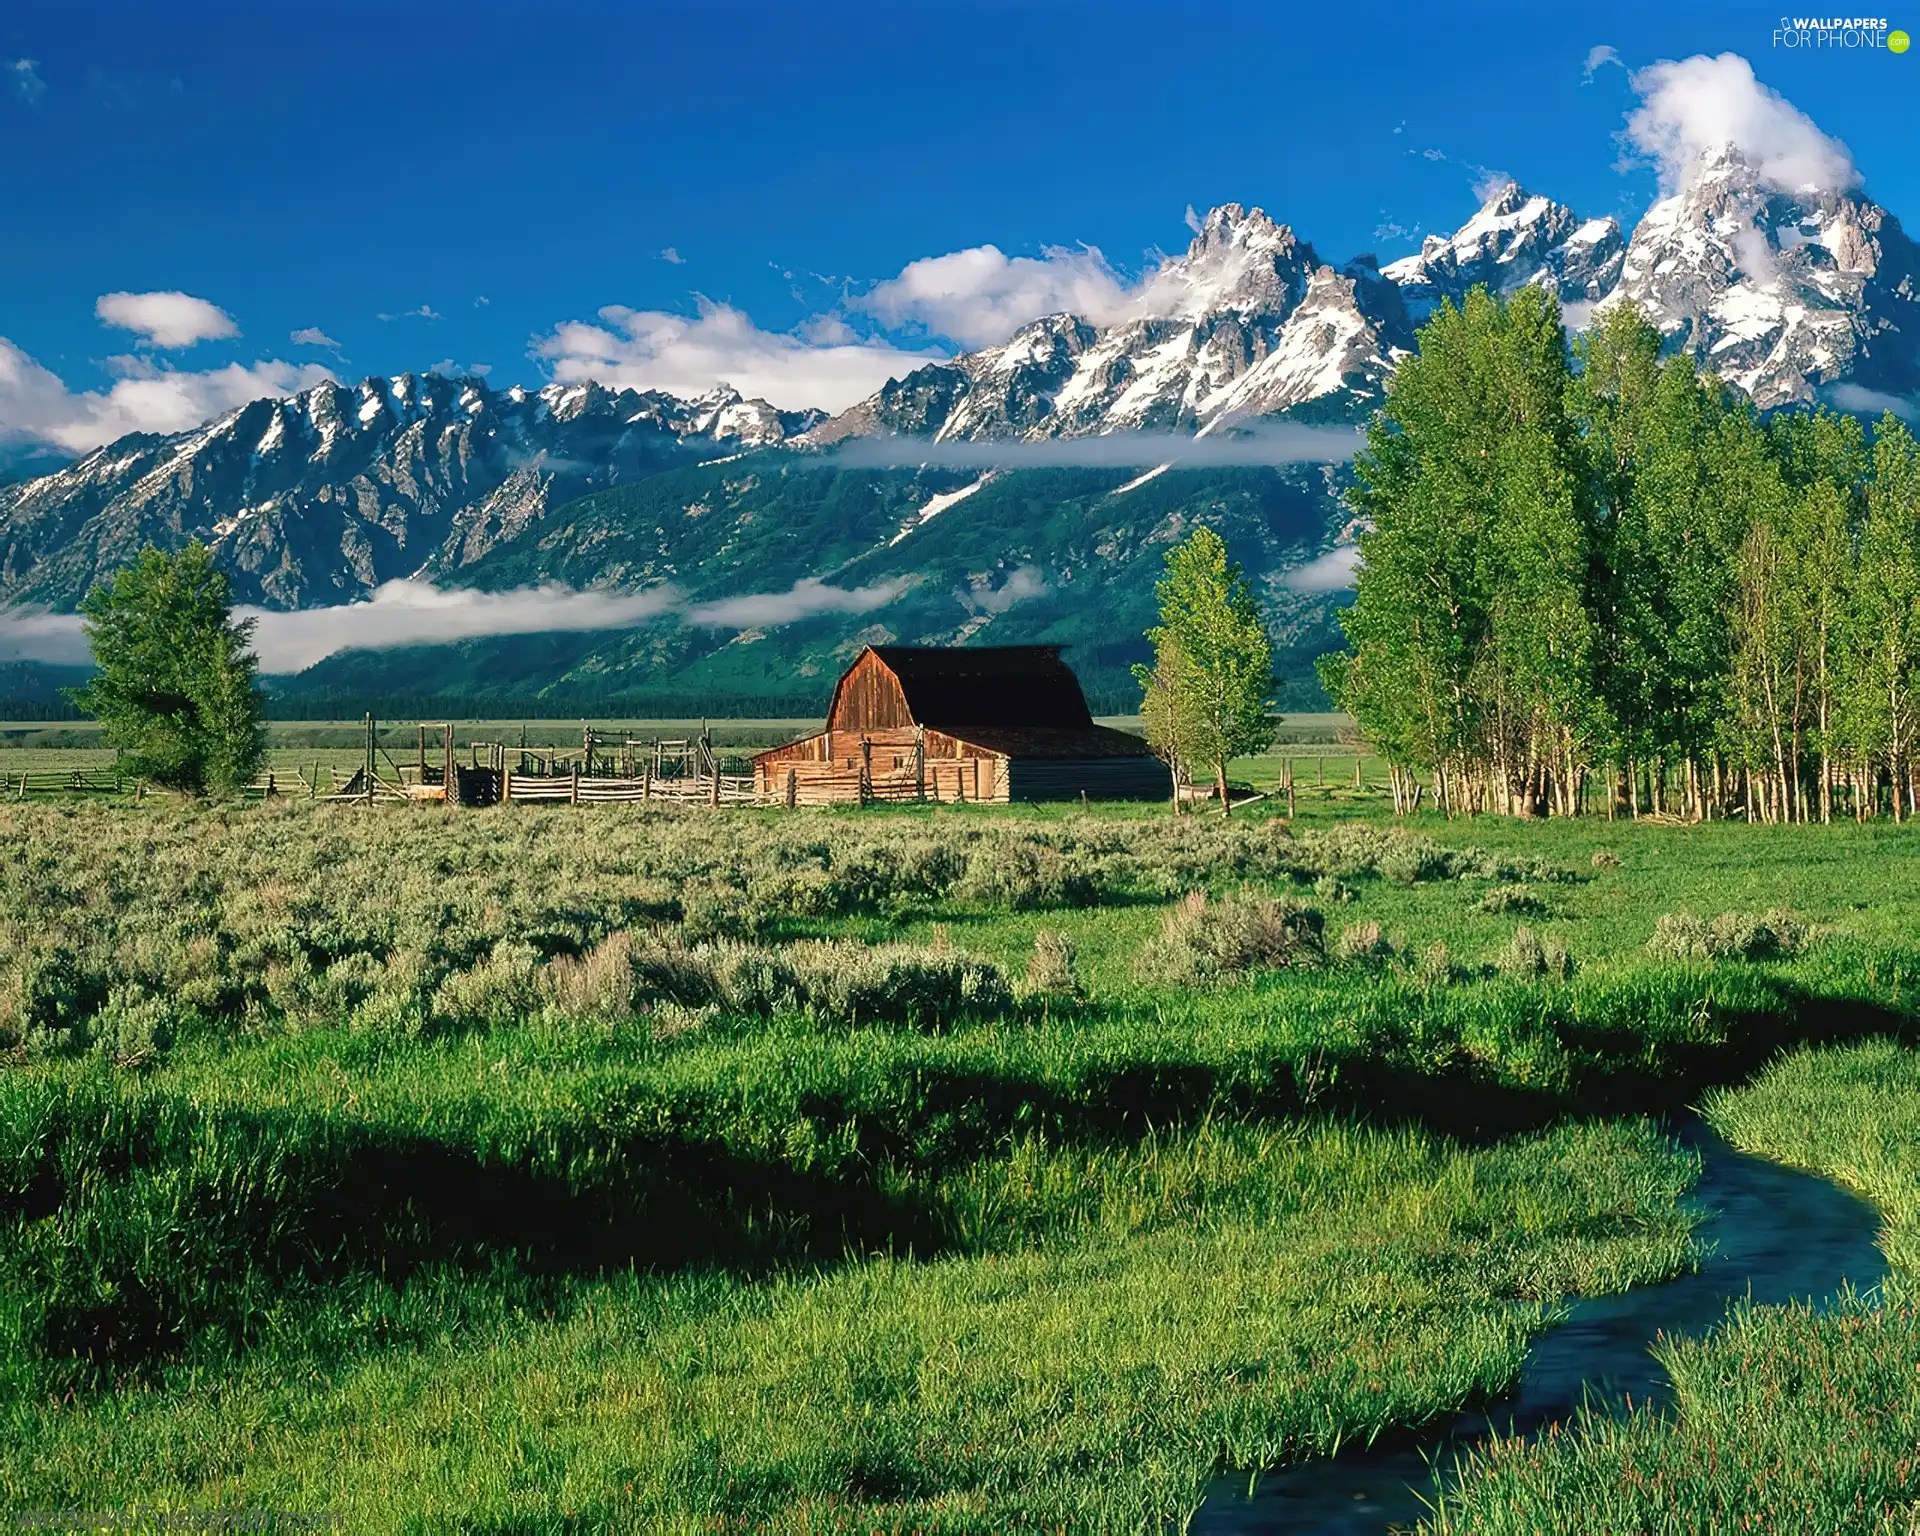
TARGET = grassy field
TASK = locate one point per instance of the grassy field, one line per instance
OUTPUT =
(936, 1169)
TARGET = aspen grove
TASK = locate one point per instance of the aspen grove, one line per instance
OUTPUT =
(1597, 579)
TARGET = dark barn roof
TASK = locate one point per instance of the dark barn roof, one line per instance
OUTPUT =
(952, 687)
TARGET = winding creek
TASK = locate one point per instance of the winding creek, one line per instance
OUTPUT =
(1777, 1234)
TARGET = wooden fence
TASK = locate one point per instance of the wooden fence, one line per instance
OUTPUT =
(579, 789)
(65, 781)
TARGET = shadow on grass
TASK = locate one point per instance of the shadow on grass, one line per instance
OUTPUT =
(248, 1205)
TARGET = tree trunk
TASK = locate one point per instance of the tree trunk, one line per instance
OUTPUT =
(1220, 780)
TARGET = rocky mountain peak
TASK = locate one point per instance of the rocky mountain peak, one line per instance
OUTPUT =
(1516, 238)
(1781, 293)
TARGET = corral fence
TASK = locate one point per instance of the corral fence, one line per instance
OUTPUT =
(613, 768)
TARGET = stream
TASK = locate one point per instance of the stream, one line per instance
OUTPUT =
(1777, 1235)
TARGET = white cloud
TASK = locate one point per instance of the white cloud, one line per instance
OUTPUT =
(1331, 572)
(313, 336)
(36, 405)
(167, 319)
(1690, 106)
(981, 295)
(419, 613)
(447, 368)
(1277, 443)
(670, 255)
(1193, 220)
(1577, 314)
(1856, 397)
(27, 81)
(1598, 56)
(420, 312)
(807, 598)
(32, 634)
(1023, 582)
(649, 349)
(1487, 182)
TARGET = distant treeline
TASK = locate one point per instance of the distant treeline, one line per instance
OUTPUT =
(1609, 573)
(569, 706)
(32, 704)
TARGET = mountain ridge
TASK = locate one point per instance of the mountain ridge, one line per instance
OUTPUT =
(319, 498)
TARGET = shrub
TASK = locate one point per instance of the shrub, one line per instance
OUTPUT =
(1332, 891)
(1436, 967)
(1204, 942)
(1050, 968)
(53, 998)
(1512, 898)
(1362, 942)
(895, 984)
(599, 986)
(1681, 936)
(134, 1027)
(1527, 956)
(503, 989)
(1026, 874)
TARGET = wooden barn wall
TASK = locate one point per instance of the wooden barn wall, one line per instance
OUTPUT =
(809, 749)
(869, 698)
(1099, 778)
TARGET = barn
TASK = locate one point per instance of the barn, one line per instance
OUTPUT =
(995, 723)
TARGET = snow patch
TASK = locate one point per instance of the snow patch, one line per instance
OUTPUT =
(1139, 480)
(938, 504)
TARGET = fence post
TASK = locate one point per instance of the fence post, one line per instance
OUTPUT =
(793, 788)
(646, 779)
(573, 792)
(713, 763)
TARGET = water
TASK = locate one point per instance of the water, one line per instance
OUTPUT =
(1778, 1235)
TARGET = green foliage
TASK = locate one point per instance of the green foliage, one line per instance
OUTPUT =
(1512, 898)
(340, 1123)
(1624, 572)
(1786, 1418)
(1730, 936)
(1204, 943)
(1208, 695)
(175, 693)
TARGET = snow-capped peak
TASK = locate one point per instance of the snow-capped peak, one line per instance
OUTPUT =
(1516, 237)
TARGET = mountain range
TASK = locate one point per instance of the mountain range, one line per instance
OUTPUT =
(320, 498)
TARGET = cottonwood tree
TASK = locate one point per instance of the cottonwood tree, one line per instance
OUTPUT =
(175, 695)
(1613, 563)
(1472, 637)
(1208, 695)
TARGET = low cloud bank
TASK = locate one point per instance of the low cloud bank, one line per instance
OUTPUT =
(418, 613)
(1332, 572)
(1281, 443)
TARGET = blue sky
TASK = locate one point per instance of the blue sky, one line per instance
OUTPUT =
(431, 185)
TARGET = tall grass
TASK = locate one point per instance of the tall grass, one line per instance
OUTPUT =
(1785, 1419)
(557, 1169)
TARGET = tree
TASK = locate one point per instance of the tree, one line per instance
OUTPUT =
(176, 694)
(1471, 636)
(1208, 693)
(1880, 693)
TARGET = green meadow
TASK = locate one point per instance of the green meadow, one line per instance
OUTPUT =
(954, 1169)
